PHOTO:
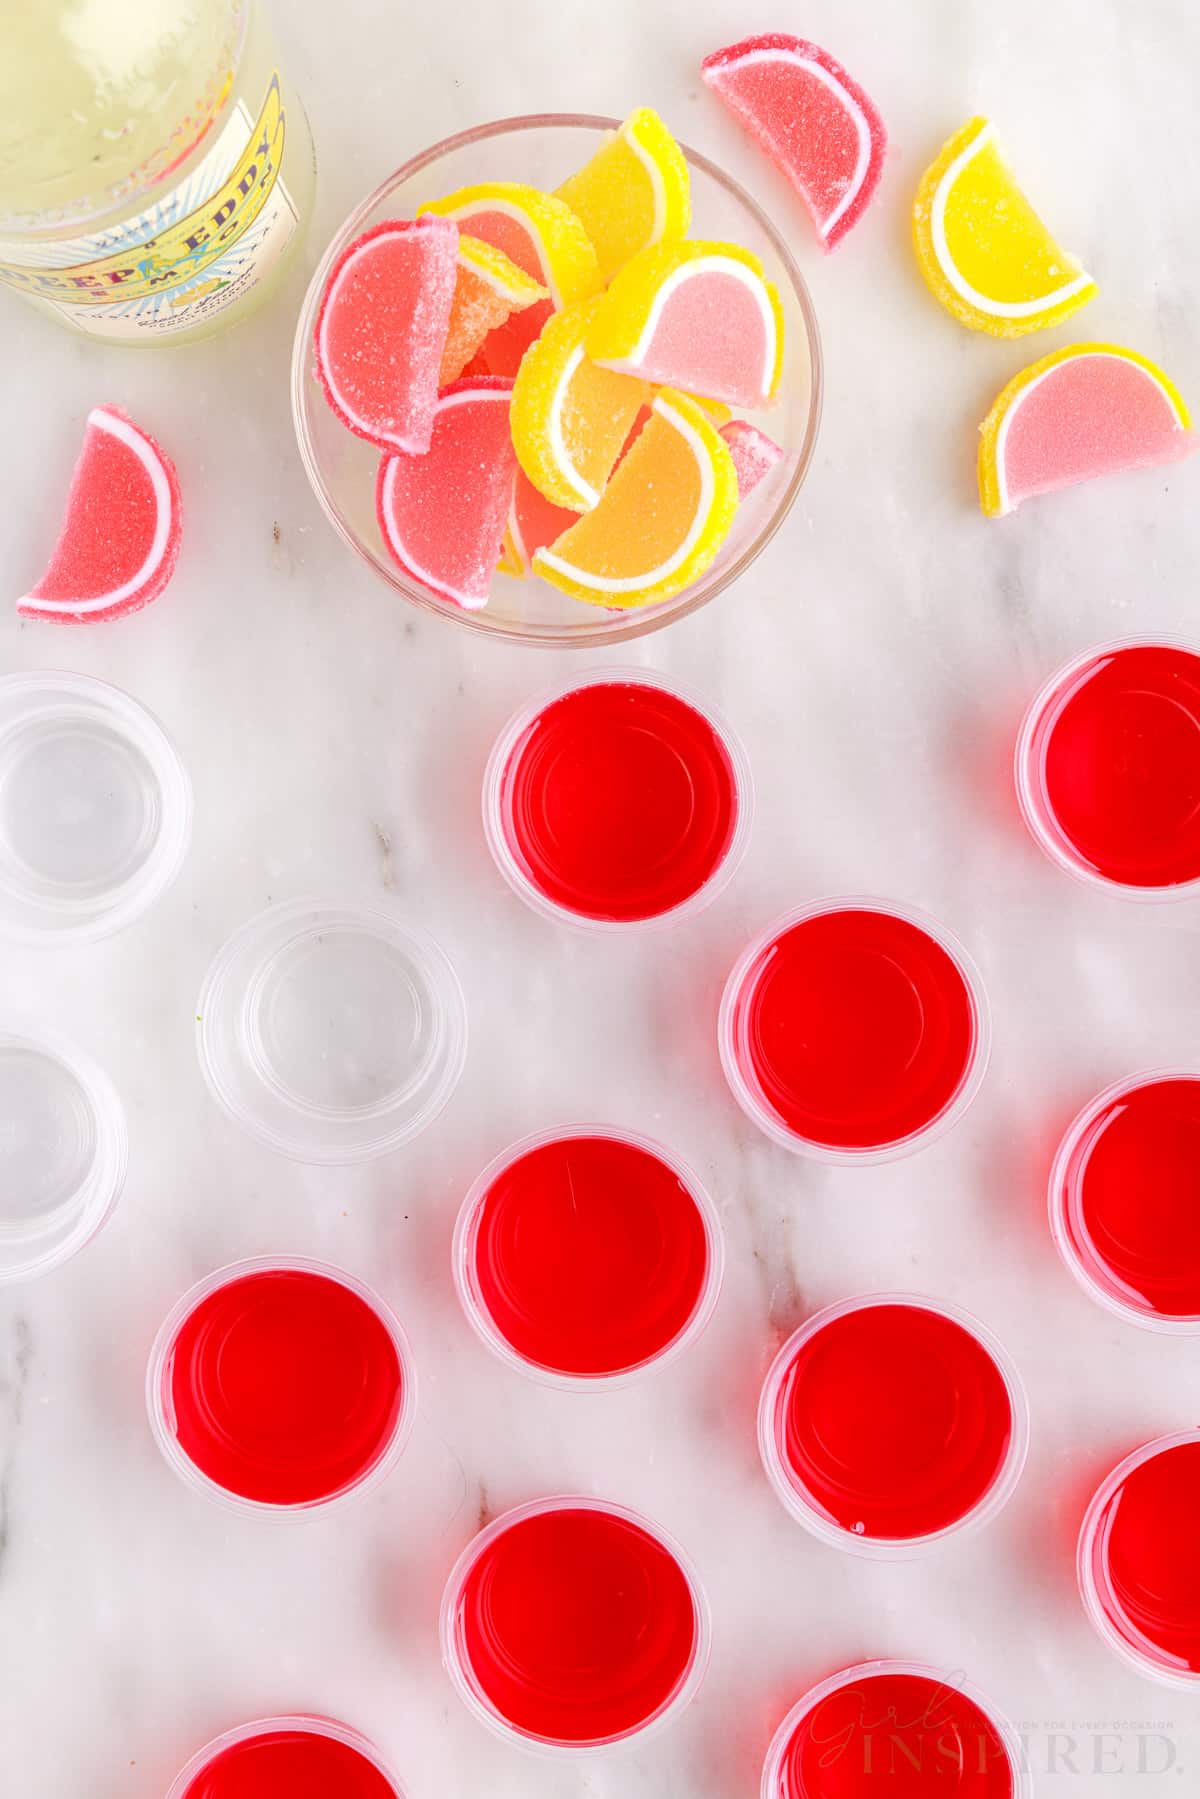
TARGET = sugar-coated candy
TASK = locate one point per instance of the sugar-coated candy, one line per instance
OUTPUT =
(635, 191)
(813, 120)
(442, 515)
(570, 418)
(697, 316)
(1088, 410)
(382, 327)
(754, 453)
(538, 232)
(489, 288)
(983, 250)
(120, 538)
(661, 520)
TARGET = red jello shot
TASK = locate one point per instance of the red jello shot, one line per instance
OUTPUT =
(1125, 1200)
(891, 1422)
(281, 1386)
(1108, 768)
(854, 1030)
(573, 1625)
(1139, 1560)
(620, 801)
(895, 1730)
(288, 1758)
(583, 1256)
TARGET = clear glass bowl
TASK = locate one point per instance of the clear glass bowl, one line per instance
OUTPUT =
(542, 150)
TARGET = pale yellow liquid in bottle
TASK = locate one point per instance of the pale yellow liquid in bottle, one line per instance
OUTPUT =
(156, 168)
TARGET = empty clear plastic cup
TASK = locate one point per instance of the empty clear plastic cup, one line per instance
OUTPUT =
(891, 1422)
(854, 1030)
(332, 1033)
(279, 1758)
(281, 1385)
(62, 1153)
(1122, 1200)
(1138, 1560)
(586, 1255)
(895, 1730)
(571, 1625)
(620, 801)
(95, 808)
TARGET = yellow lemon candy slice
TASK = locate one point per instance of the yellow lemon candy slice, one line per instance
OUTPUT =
(634, 192)
(697, 316)
(982, 248)
(662, 518)
(570, 419)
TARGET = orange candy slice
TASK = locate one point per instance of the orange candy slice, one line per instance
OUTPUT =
(661, 520)
(489, 288)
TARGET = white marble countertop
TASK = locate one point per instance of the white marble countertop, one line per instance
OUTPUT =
(876, 661)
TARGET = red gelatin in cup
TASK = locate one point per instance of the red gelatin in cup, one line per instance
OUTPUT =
(588, 1255)
(891, 1422)
(1127, 1198)
(1117, 748)
(290, 1764)
(894, 1735)
(576, 1626)
(1142, 1559)
(618, 802)
(286, 1387)
(854, 1030)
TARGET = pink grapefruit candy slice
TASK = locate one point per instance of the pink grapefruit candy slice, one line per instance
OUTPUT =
(813, 120)
(1091, 409)
(120, 538)
(382, 329)
(443, 514)
(754, 453)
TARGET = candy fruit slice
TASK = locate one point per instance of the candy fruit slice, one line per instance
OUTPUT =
(634, 192)
(663, 516)
(543, 237)
(570, 419)
(812, 119)
(120, 538)
(489, 288)
(754, 453)
(983, 250)
(533, 522)
(698, 316)
(382, 329)
(442, 515)
(1091, 409)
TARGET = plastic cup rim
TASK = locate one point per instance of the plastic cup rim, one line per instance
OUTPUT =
(526, 889)
(488, 1332)
(1029, 779)
(559, 1751)
(110, 1163)
(1089, 1591)
(193, 1476)
(1056, 1200)
(141, 727)
(307, 1723)
(1008, 1735)
(973, 1076)
(444, 985)
(895, 1549)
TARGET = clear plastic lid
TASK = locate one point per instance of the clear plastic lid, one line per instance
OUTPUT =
(95, 808)
(330, 1032)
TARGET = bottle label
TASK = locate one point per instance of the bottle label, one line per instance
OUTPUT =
(197, 250)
